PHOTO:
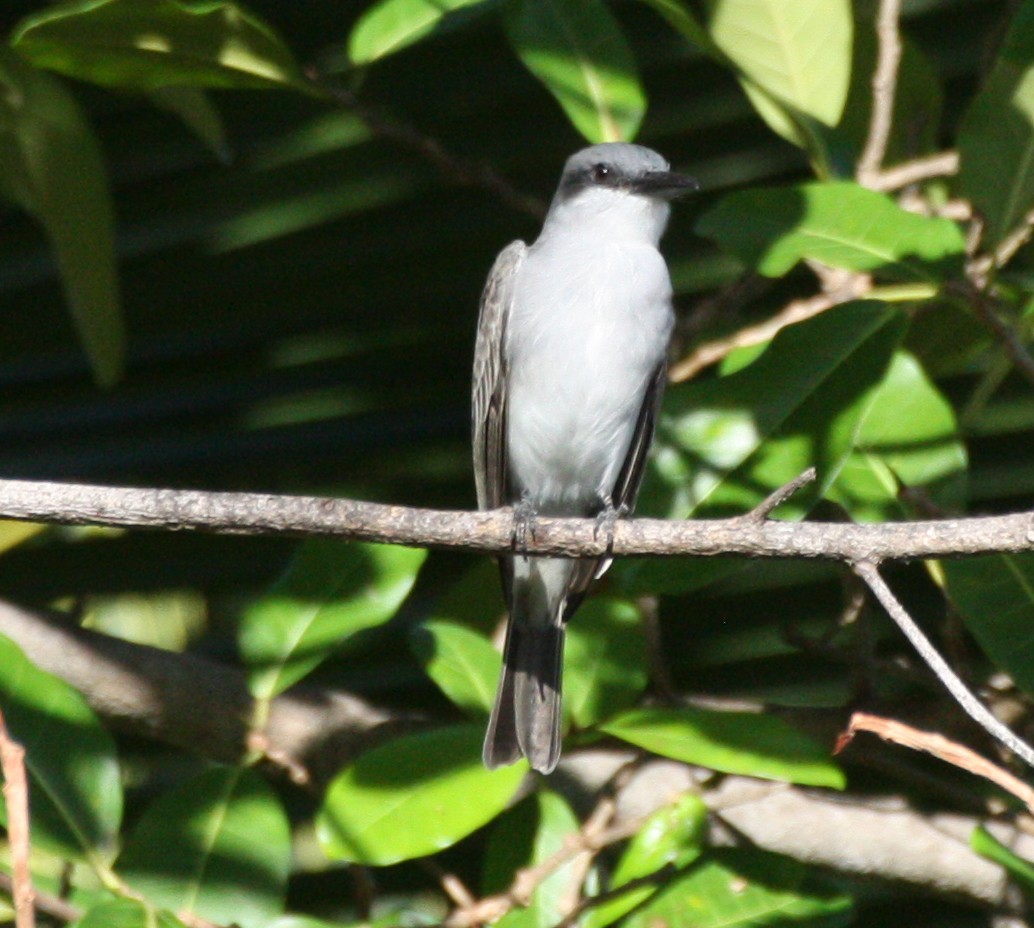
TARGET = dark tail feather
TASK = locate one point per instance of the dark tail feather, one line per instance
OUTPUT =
(526, 717)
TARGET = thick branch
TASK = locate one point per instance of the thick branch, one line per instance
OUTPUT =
(194, 703)
(491, 532)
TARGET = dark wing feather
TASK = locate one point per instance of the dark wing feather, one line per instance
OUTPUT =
(626, 489)
(488, 403)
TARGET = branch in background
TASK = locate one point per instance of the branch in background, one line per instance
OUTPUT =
(459, 171)
(197, 704)
(884, 87)
(942, 164)
(839, 287)
(1005, 334)
(942, 748)
(959, 691)
(16, 801)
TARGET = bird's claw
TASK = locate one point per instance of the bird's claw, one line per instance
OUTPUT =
(606, 519)
(524, 522)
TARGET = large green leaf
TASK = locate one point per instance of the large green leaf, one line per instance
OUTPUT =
(672, 837)
(75, 793)
(794, 57)
(525, 836)
(463, 663)
(391, 25)
(414, 796)
(908, 437)
(217, 846)
(576, 48)
(126, 913)
(723, 444)
(330, 592)
(996, 138)
(741, 887)
(147, 44)
(51, 165)
(839, 224)
(995, 597)
(605, 660)
(733, 742)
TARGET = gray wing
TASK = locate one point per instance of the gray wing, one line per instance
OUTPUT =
(626, 489)
(488, 402)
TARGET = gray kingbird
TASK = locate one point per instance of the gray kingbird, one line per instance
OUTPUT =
(569, 370)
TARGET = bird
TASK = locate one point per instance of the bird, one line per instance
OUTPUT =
(570, 363)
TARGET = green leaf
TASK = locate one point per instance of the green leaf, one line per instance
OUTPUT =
(195, 110)
(14, 533)
(995, 597)
(331, 591)
(51, 165)
(576, 48)
(987, 845)
(740, 887)
(605, 660)
(839, 224)
(672, 837)
(217, 846)
(463, 663)
(413, 797)
(793, 56)
(686, 24)
(908, 437)
(142, 45)
(75, 793)
(126, 913)
(996, 138)
(733, 742)
(525, 836)
(391, 25)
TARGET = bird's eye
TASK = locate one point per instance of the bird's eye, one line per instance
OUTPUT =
(600, 172)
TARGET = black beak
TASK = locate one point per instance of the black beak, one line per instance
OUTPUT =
(665, 184)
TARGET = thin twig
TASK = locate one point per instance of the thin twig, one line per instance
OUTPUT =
(884, 86)
(652, 880)
(1006, 335)
(942, 164)
(961, 693)
(16, 800)
(459, 171)
(54, 906)
(942, 748)
(776, 498)
(851, 287)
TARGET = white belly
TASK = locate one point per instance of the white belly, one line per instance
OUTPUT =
(583, 342)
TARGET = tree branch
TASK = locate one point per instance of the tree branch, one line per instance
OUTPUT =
(492, 532)
(884, 85)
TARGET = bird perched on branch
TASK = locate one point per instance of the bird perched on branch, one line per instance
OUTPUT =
(569, 370)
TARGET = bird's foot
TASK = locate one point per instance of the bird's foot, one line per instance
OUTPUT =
(525, 520)
(606, 519)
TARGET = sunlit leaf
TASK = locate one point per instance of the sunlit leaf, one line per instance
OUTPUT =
(463, 663)
(907, 438)
(51, 165)
(996, 138)
(414, 796)
(391, 25)
(839, 224)
(146, 44)
(527, 835)
(13, 534)
(794, 56)
(741, 887)
(126, 913)
(987, 845)
(75, 793)
(734, 742)
(330, 592)
(576, 48)
(217, 846)
(672, 837)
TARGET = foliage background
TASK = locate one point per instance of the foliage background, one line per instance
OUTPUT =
(299, 283)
